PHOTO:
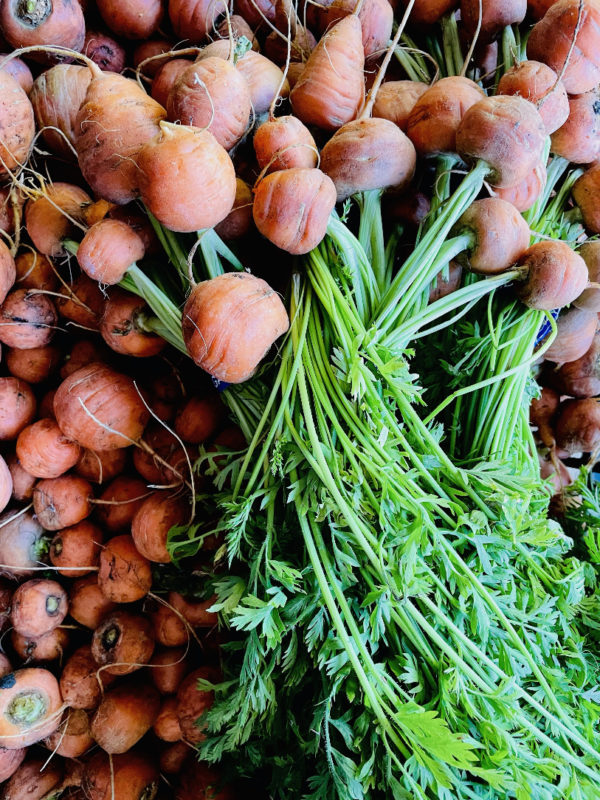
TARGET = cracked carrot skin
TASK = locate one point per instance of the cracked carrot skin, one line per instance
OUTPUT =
(125, 575)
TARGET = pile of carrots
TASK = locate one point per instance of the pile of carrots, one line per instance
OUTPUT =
(124, 129)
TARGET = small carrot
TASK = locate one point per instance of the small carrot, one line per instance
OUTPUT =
(75, 551)
(124, 640)
(62, 502)
(44, 451)
(81, 683)
(125, 575)
(125, 714)
(87, 604)
(30, 706)
(38, 606)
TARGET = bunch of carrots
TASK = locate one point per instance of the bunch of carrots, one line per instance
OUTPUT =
(372, 225)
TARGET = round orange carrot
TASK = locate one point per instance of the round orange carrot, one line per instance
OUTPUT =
(108, 249)
(125, 714)
(44, 451)
(125, 575)
(30, 706)
(63, 501)
(75, 551)
(81, 682)
(38, 606)
(87, 604)
(17, 407)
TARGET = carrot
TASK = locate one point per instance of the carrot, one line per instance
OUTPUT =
(164, 449)
(166, 724)
(17, 125)
(151, 525)
(101, 466)
(166, 190)
(556, 275)
(87, 604)
(130, 776)
(31, 782)
(542, 412)
(376, 19)
(292, 207)
(232, 352)
(11, 203)
(38, 606)
(255, 11)
(395, 101)
(44, 451)
(27, 319)
(539, 84)
(201, 780)
(30, 705)
(46, 408)
(300, 44)
(589, 299)
(501, 236)
(192, 702)
(165, 78)
(537, 8)
(131, 215)
(164, 394)
(552, 37)
(125, 575)
(169, 666)
(22, 481)
(194, 19)
(169, 628)
(8, 271)
(120, 501)
(194, 611)
(213, 95)
(200, 418)
(10, 761)
(133, 19)
(6, 484)
(22, 543)
(104, 51)
(150, 49)
(73, 737)
(370, 153)
(586, 193)
(283, 143)
(116, 118)
(173, 756)
(17, 407)
(49, 216)
(19, 71)
(239, 27)
(506, 132)
(100, 408)
(125, 714)
(34, 365)
(579, 378)
(576, 331)
(81, 684)
(60, 23)
(63, 501)
(107, 249)
(82, 303)
(578, 426)
(524, 194)
(123, 642)
(330, 90)
(76, 546)
(124, 326)
(56, 96)
(578, 139)
(84, 352)
(238, 222)
(34, 271)
(40, 649)
(492, 18)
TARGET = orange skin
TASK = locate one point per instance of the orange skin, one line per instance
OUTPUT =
(56, 96)
(396, 99)
(283, 143)
(586, 194)
(21, 726)
(239, 27)
(87, 604)
(27, 320)
(330, 90)
(19, 71)
(590, 298)
(166, 724)
(84, 352)
(81, 683)
(169, 627)
(22, 481)
(6, 484)
(122, 324)
(113, 401)
(169, 666)
(149, 49)
(539, 84)
(576, 332)
(34, 365)
(73, 737)
(132, 19)
(542, 411)
(19, 544)
(17, 407)
(578, 140)
(10, 761)
(578, 426)
(494, 17)
(579, 378)
(77, 546)
(46, 409)
(239, 221)
(30, 780)
(44, 451)
(507, 133)
(558, 26)
(165, 445)
(136, 219)
(194, 20)
(125, 714)
(524, 194)
(38, 606)
(82, 303)
(254, 11)
(8, 271)
(556, 275)
(108, 249)
(104, 51)
(292, 207)
(212, 94)
(166, 189)
(173, 757)
(17, 124)
(437, 113)
(194, 611)
(200, 418)
(376, 19)
(276, 48)
(61, 502)
(61, 23)
(165, 76)
(428, 12)
(101, 466)
(537, 8)
(123, 643)
(47, 222)
(121, 500)
(34, 271)
(40, 649)
(192, 703)
(112, 104)
(125, 575)
(232, 352)
(129, 776)
(150, 526)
